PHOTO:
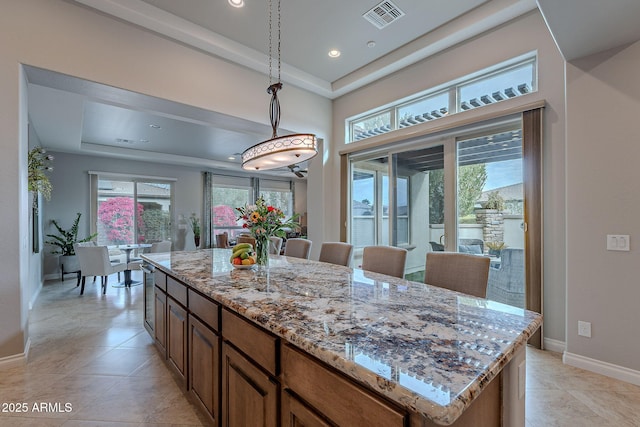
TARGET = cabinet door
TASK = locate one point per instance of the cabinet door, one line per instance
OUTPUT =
(177, 337)
(204, 366)
(249, 396)
(160, 326)
(296, 414)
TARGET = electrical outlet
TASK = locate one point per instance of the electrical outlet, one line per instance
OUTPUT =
(584, 329)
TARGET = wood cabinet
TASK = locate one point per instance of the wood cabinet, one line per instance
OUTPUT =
(332, 395)
(177, 337)
(160, 325)
(204, 354)
(204, 367)
(297, 414)
(249, 395)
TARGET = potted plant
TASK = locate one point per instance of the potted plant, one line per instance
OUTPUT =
(495, 248)
(64, 241)
(194, 222)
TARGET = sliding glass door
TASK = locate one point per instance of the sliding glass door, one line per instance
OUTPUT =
(463, 193)
(490, 208)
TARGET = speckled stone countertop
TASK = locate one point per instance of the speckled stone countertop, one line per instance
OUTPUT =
(429, 349)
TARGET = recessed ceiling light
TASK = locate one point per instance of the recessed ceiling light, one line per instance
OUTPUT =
(231, 158)
(371, 43)
(334, 53)
(152, 126)
(144, 141)
(236, 3)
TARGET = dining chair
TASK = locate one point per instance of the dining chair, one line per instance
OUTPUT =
(246, 239)
(162, 246)
(94, 261)
(298, 248)
(276, 245)
(222, 240)
(92, 243)
(464, 273)
(336, 253)
(388, 260)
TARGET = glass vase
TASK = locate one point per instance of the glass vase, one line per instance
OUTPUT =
(262, 252)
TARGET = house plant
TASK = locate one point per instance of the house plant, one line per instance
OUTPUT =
(38, 181)
(264, 221)
(194, 223)
(64, 241)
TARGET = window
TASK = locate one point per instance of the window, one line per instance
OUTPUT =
(230, 192)
(131, 209)
(508, 80)
(227, 194)
(278, 194)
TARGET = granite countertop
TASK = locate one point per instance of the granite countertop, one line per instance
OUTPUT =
(429, 349)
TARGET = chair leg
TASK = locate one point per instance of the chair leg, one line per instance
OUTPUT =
(82, 288)
(105, 279)
(79, 277)
(94, 279)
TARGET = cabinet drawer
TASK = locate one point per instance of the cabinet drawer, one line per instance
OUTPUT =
(205, 309)
(160, 279)
(342, 401)
(177, 290)
(256, 343)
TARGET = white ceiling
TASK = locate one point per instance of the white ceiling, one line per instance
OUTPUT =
(71, 115)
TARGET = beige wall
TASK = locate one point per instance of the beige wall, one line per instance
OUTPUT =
(526, 34)
(60, 36)
(603, 152)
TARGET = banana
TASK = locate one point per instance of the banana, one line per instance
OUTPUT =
(242, 245)
(240, 251)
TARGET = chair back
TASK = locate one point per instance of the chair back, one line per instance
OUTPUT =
(222, 240)
(336, 253)
(246, 239)
(276, 245)
(387, 260)
(93, 260)
(163, 246)
(459, 272)
(298, 248)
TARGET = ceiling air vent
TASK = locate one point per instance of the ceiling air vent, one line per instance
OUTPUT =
(125, 141)
(383, 14)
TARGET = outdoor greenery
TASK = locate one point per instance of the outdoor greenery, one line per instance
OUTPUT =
(471, 180)
(494, 201)
(157, 225)
(65, 239)
(116, 214)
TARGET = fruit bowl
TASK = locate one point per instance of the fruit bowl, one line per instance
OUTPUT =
(242, 267)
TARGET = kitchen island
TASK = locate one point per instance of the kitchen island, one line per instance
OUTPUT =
(310, 343)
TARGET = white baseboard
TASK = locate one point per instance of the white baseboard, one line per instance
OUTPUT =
(605, 368)
(34, 297)
(554, 345)
(16, 359)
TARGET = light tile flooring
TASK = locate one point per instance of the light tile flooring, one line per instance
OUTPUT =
(92, 352)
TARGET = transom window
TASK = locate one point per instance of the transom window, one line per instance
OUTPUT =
(508, 80)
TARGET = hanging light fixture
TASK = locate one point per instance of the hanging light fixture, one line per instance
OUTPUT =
(279, 151)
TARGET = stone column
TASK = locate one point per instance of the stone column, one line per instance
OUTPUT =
(492, 225)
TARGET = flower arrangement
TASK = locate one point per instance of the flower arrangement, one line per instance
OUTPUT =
(264, 221)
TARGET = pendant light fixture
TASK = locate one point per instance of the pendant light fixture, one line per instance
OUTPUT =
(279, 151)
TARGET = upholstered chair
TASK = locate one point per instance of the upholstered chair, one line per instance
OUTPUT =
(298, 248)
(459, 272)
(336, 253)
(388, 260)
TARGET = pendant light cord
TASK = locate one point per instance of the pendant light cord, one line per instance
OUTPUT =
(274, 106)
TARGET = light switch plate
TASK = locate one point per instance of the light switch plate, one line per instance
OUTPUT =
(617, 242)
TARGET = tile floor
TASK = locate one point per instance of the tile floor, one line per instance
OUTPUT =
(92, 352)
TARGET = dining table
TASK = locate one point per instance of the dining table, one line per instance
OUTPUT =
(128, 281)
